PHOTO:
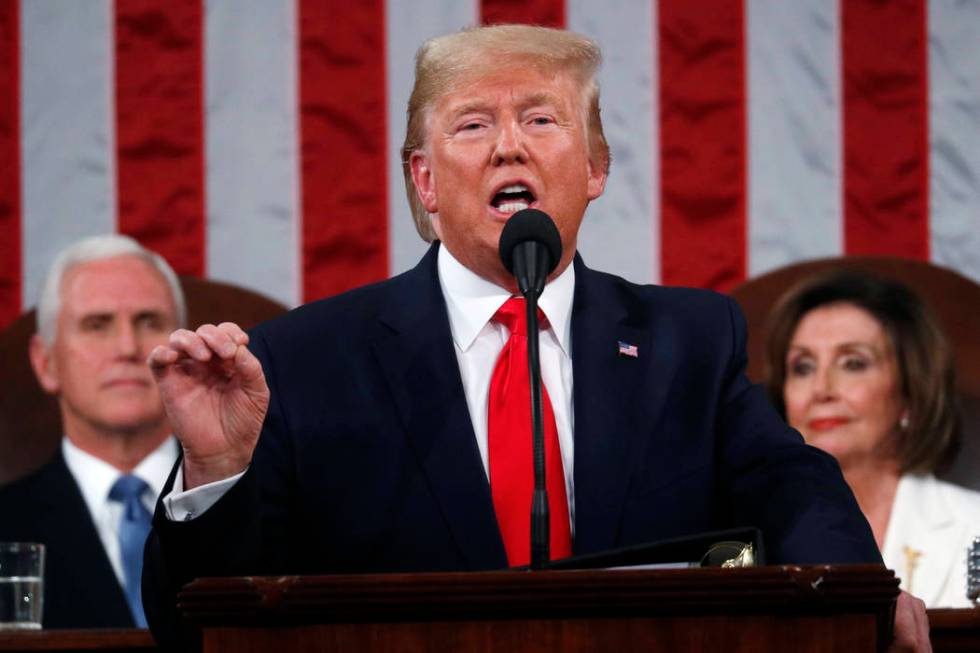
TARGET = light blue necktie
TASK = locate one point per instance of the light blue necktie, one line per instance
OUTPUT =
(133, 529)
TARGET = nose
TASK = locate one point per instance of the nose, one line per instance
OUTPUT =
(127, 340)
(510, 146)
(825, 384)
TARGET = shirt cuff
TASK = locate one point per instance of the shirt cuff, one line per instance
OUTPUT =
(185, 505)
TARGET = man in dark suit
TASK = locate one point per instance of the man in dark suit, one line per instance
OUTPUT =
(105, 304)
(377, 408)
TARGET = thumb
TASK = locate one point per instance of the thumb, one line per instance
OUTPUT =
(250, 371)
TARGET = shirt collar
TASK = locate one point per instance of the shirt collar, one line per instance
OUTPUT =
(95, 476)
(471, 301)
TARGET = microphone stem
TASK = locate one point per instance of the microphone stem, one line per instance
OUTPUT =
(540, 520)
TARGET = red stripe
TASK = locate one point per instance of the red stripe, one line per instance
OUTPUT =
(886, 129)
(160, 128)
(549, 13)
(10, 254)
(343, 145)
(702, 141)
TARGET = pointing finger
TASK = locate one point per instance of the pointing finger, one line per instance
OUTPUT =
(218, 340)
(190, 344)
(234, 332)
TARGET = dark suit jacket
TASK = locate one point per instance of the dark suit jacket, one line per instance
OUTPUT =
(368, 461)
(80, 587)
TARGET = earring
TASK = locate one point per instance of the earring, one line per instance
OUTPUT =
(903, 423)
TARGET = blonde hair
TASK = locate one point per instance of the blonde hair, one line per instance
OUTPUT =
(445, 62)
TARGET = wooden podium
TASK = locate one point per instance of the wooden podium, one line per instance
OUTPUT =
(820, 608)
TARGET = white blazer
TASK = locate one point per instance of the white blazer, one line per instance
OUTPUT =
(931, 526)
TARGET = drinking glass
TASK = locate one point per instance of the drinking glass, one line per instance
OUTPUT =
(21, 585)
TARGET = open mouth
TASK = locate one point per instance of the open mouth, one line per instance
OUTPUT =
(513, 198)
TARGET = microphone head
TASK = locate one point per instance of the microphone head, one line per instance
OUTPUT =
(530, 225)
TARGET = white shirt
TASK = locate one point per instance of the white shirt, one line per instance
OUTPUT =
(471, 302)
(95, 479)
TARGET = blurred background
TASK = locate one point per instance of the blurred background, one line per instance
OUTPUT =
(256, 141)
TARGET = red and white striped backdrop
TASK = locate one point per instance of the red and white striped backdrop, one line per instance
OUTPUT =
(256, 141)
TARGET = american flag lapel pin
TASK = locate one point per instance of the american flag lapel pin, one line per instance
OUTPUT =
(626, 349)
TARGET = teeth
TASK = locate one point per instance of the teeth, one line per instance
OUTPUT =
(512, 207)
(514, 188)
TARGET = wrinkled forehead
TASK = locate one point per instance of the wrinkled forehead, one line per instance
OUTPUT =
(506, 88)
(117, 283)
(466, 83)
(841, 322)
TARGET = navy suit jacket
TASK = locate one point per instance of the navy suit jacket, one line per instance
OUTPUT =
(80, 588)
(368, 462)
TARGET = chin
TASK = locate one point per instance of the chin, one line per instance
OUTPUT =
(839, 453)
(134, 421)
(823, 441)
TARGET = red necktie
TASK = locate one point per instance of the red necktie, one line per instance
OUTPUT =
(510, 446)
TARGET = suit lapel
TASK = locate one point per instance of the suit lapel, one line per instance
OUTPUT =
(420, 366)
(926, 539)
(93, 585)
(614, 402)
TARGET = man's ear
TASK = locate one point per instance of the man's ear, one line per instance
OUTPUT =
(44, 366)
(597, 178)
(425, 181)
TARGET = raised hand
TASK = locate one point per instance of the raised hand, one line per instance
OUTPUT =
(216, 397)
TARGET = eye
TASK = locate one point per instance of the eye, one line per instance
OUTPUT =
(801, 367)
(542, 120)
(96, 323)
(855, 364)
(150, 322)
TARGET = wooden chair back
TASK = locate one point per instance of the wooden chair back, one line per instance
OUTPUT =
(954, 298)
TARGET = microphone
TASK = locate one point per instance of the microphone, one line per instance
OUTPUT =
(530, 248)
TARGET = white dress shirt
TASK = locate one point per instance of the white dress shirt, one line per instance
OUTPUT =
(471, 302)
(95, 479)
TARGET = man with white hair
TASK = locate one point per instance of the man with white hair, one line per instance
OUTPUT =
(105, 304)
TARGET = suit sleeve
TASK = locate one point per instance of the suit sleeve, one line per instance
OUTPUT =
(794, 492)
(246, 532)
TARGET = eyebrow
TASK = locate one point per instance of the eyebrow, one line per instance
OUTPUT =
(473, 106)
(96, 315)
(109, 315)
(534, 99)
(843, 346)
(541, 97)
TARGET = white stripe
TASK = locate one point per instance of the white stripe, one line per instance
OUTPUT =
(954, 135)
(66, 129)
(794, 132)
(252, 159)
(408, 24)
(620, 233)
